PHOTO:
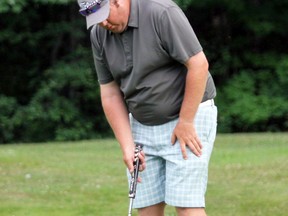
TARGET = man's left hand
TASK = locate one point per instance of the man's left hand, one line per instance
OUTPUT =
(185, 133)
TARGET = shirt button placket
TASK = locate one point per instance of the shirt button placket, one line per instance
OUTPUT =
(127, 43)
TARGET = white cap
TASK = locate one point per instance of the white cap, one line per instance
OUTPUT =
(98, 15)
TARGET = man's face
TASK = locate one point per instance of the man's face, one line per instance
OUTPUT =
(118, 18)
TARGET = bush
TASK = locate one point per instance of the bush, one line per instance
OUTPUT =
(66, 106)
(8, 107)
(255, 101)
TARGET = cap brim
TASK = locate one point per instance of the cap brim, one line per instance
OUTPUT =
(99, 16)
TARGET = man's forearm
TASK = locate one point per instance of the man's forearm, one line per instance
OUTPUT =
(117, 116)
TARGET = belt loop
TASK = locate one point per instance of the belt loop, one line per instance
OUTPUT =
(209, 102)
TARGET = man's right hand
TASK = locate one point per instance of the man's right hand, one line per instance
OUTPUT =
(128, 158)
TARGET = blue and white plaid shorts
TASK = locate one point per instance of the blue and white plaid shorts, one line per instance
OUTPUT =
(168, 177)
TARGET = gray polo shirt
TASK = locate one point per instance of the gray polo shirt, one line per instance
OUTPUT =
(147, 60)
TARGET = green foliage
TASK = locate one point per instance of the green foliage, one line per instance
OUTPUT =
(46, 75)
(62, 107)
(12, 5)
(34, 41)
(17, 6)
(256, 99)
(251, 103)
(8, 107)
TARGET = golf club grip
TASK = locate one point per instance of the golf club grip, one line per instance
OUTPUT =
(134, 175)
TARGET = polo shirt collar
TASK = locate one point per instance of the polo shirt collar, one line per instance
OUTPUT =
(134, 16)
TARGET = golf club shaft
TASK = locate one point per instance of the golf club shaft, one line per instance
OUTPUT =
(130, 207)
(134, 177)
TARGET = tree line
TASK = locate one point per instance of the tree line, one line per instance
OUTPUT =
(48, 84)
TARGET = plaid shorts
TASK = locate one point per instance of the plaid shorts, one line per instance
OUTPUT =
(168, 177)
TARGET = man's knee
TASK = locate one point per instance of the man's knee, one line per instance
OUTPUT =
(154, 210)
(190, 211)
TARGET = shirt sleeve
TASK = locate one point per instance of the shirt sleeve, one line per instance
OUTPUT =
(103, 73)
(177, 35)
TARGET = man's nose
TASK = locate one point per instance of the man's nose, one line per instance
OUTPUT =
(104, 23)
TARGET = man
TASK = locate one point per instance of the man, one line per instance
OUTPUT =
(156, 90)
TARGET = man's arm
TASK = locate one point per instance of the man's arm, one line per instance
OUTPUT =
(196, 79)
(117, 116)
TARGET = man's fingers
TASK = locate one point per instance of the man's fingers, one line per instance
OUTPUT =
(142, 161)
(173, 138)
(198, 141)
(131, 167)
(186, 135)
(194, 146)
(129, 160)
(183, 150)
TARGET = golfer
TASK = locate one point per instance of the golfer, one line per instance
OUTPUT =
(156, 90)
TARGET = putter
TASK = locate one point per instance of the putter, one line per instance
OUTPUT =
(134, 177)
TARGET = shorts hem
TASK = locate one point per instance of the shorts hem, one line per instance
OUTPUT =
(181, 205)
(147, 205)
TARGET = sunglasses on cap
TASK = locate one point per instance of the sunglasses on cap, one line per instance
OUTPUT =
(88, 8)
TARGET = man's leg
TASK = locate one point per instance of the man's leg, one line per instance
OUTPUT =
(190, 211)
(154, 210)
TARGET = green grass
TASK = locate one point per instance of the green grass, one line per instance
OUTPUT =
(248, 176)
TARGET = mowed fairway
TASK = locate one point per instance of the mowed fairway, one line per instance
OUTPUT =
(248, 176)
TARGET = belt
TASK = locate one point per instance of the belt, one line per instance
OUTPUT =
(207, 103)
